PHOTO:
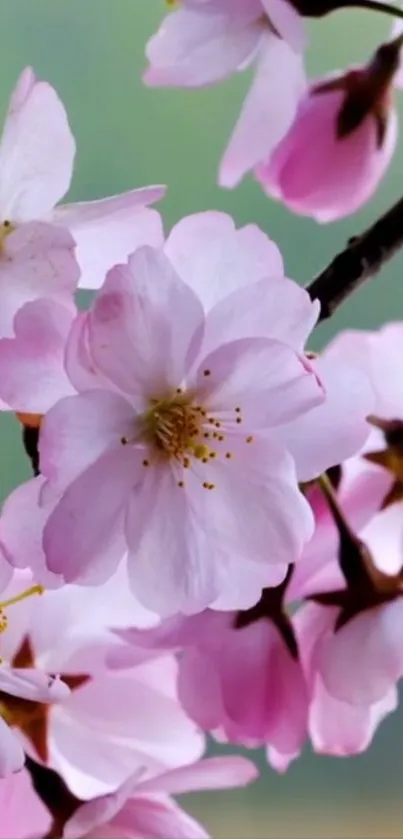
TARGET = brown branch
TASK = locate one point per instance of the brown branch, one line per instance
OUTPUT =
(54, 794)
(363, 257)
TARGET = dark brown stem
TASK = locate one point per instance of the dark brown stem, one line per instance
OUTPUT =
(52, 790)
(363, 257)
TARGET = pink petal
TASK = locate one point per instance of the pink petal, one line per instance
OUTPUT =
(256, 504)
(122, 222)
(338, 427)
(36, 152)
(244, 583)
(78, 430)
(208, 774)
(144, 727)
(12, 757)
(32, 684)
(37, 261)
(17, 822)
(79, 364)
(215, 259)
(268, 380)
(193, 49)
(133, 333)
(21, 529)
(340, 729)
(32, 375)
(99, 811)
(156, 819)
(275, 308)
(360, 663)
(170, 521)
(83, 537)
(266, 116)
(288, 22)
(199, 688)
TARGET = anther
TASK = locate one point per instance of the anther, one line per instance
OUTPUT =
(249, 439)
(217, 424)
(237, 410)
(228, 455)
(238, 420)
(146, 462)
(206, 485)
(220, 437)
(211, 486)
(181, 483)
(212, 455)
(206, 372)
(179, 390)
(204, 459)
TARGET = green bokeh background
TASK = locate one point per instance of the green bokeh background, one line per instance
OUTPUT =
(92, 52)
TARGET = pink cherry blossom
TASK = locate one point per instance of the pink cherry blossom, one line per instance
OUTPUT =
(336, 726)
(110, 723)
(37, 152)
(23, 816)
(239, 676)
(352, 113)
(174, 399)
(204, 42)
(145, 808)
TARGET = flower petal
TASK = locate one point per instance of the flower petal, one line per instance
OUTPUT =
(266, 116)
(78, 430)
(268, 380)
(37, 261)
(32, 375)
(36, 151)
(193, 49)
(338, 428)
(275, 308)
(83, 538)
(12, 757)
(207, 774)
(133, 332)
(122, 223)
(362, 661)
(215, 259)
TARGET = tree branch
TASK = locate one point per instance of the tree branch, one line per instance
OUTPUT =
(363, 257)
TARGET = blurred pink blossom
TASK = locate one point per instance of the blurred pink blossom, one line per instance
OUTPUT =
(37, 152)
(110, 723)
(145, 808)
(204, 42)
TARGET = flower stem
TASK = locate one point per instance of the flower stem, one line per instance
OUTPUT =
(363, 257)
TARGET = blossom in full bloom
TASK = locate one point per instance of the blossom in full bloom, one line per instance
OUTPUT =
(145, 808)
(172, 406)
(353, 115)
(182, 432)
(109, 723)
(204, 42)
(37, 152)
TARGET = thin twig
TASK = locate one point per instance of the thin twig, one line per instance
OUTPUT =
(363, 257)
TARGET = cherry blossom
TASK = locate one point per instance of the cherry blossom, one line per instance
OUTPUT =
(353, 115)
(204, 42)
(240, 677)
(145, 808)
(37, 152)
(109, 723)
(170, 405)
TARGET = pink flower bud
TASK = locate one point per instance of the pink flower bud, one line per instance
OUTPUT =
(341, 142)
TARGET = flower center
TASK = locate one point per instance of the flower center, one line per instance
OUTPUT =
(174, 427)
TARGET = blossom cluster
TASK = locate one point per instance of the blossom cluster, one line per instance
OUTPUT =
(211, 544)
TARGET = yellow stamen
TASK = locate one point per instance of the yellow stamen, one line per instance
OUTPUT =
(23, 596)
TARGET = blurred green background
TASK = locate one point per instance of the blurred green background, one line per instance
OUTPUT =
(92, 51)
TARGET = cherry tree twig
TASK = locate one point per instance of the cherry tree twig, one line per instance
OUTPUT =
(363, 257)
